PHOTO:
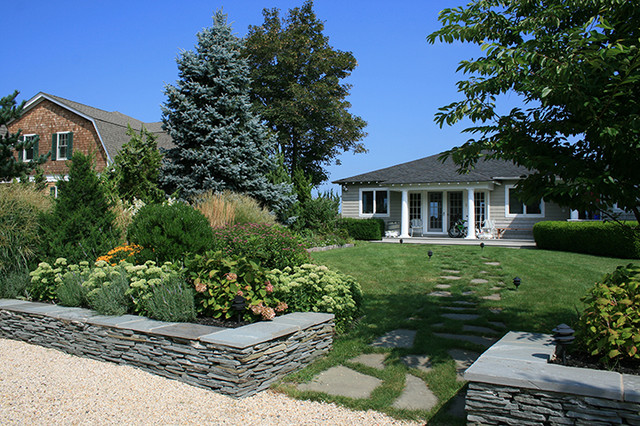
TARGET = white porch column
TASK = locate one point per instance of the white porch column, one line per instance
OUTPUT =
(575, 215)
(471, 215)
(404, 216)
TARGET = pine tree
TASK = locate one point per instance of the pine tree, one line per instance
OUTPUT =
(220, 143)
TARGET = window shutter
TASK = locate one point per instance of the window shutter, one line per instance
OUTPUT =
(20, 151)
(54, 148)
(70, 146)
(36, 148)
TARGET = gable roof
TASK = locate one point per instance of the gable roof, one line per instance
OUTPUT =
(432, 170)
(110, 126)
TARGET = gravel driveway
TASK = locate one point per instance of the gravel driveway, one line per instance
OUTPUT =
(41, 386)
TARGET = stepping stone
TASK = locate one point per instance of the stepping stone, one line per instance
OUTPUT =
(463, 360)
(440, 294)
(455, 308)
(464, 303)
(416, 395)
(479, 281)
(438, 325)
(396, 339)
(495, 288)
(450, 271)
(443, 286)
(492, 263)
(498, 324)
(370, 360)
(477, 340)
(468, 293)
(421, 362)
(483, 272)
(477, 329)
(494, 296)
(495, 310)
(449, 277)
(461, 317)
(342, 381)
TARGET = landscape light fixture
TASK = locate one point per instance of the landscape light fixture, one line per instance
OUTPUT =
(516, 282)
(429, 253)
(563, 336)
(482, 246)
(401, 241)
(239, 304)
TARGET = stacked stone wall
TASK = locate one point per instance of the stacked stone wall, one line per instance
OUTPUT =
(234, 370)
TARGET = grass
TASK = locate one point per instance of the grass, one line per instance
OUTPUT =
(396, 280)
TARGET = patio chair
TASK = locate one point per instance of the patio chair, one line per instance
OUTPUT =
(487, 230)
(416, 224)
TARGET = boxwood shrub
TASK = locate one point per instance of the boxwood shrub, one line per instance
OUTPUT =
(598, 238)
(363, 229)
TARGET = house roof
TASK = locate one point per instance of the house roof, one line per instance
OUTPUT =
(111, 126)
(432, 170)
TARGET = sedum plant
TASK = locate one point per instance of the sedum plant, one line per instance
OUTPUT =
(313, 288)
(610, 324)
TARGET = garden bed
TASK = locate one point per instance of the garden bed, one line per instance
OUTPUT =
(237, 362)
(513, 383)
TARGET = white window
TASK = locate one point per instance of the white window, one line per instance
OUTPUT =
(28, 154)
(62, 145)
(515, 207)
(374, 202)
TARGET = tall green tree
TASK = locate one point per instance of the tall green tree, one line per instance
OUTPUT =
(10, 143)
(221, 144)
(575, 65)
(296, 87)
(136, 168)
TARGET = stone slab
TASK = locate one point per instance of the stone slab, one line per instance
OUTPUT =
(494, 296)
(145, 325)
(249, 335)
(370, 360)
(479, 281)
(9, 302)
(420, 362)
(186, 330)
(74, 314)
(455, 308)
(520, 360)
(492, 263)
(631, 386)
(498, 324)
(478, 329)
(396, 339)
(342, 381)
(461, 317)
(303, 319)
(26, 307)
(112, 321)
(443, 286)
(495, 310)
(450, 271)
(416, 395)
(477, 340)
(468, 293)
(449, 277)
(463, 303)
(440, 294)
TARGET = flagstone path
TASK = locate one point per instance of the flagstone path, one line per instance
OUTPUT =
(459, 311)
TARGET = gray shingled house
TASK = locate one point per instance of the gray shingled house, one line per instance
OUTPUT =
(426, 197)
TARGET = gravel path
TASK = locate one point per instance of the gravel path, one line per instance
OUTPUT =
(41, 386)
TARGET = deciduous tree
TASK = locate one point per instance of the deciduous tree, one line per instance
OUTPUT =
(296, 87)
(575, 65)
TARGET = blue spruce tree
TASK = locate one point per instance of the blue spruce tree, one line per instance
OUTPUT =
(220, 143)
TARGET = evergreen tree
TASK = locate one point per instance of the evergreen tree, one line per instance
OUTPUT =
(221, 143)
(10, 168)
(296, 88)
(80, 227)
(136, 168)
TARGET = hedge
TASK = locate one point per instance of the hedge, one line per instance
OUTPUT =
(598, 238)
(363, 229)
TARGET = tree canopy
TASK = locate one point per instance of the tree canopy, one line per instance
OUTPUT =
(10, 167)
(575, 65)
(296, 87)
(221, 144)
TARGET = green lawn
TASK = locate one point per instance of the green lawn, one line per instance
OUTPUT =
(396, 280)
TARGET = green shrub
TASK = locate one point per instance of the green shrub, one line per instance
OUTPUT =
(71, 292)
(80, 227)
(363, 229)
(20, 209)
(313, 288)
(273, 246)
(230, 208)
(14, 284)
(218, 279)
(609, 327)
(110, 297)
(598, 238)
(311, 238)
(171, 300)
(169, 232)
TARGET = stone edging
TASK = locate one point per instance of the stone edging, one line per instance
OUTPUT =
(513, 383)
(238, 362)
(327, 248)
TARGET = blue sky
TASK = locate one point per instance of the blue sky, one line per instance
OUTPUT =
(118, 55)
